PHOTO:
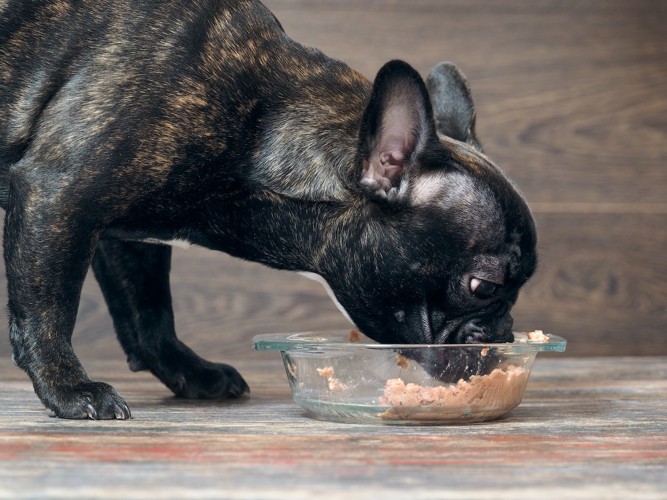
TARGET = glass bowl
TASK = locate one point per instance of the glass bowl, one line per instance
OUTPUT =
(344, 377)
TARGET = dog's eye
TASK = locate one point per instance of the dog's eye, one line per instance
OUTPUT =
(482, 289)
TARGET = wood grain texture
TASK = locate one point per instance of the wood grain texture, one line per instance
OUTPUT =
(605, 291)
(585, 429)
(571, 102)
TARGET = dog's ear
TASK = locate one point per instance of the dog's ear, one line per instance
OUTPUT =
(453, 106)
(396, 128)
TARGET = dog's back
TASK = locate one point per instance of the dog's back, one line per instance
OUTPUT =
(137, 83)
(111, 58)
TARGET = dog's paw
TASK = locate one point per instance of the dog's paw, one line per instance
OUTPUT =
(93, 400)
(206, 380)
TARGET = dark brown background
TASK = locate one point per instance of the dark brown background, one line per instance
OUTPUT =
(571, 102)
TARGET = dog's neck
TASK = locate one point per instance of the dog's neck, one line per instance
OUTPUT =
(281, 231)
(297, 159)
(299, 187)
(308, 147)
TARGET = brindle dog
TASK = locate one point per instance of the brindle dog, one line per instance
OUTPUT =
(126, 125)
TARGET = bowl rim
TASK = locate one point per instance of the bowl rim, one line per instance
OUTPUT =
(337, 340)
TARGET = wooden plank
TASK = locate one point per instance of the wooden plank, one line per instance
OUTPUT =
(587, 428)
(600, 283)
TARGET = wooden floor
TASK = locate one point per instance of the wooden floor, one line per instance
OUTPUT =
(586, 429)
(572, 102)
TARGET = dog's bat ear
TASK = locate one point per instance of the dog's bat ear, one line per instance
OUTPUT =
(453, 106)
(396, 127)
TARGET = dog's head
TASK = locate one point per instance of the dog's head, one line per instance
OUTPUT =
(441, 241)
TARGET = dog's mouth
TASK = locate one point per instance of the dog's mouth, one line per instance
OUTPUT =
(434, 327)
(449, 365)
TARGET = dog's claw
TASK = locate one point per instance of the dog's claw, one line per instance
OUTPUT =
(91, 412)
(89, 400)
(122, 412)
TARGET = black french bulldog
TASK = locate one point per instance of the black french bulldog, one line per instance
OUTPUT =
(125, 125)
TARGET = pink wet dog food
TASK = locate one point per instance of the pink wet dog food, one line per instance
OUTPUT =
(489, 395)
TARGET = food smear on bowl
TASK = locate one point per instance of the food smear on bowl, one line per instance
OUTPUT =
(537, 336)
(354, 336)
(490, 396)
(334, 384)
(402, 361)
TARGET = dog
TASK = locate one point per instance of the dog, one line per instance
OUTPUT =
(128, 127)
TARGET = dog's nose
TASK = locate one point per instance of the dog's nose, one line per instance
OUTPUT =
(449, 365)
(473, 332)
(504, 330)
(510, 323)
(486, 329)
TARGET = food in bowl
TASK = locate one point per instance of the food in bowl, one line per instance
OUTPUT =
(365, 382)
(502, 388)
(537, 336)
(334, 383)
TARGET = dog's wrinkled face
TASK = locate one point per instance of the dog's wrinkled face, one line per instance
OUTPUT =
(448, 240)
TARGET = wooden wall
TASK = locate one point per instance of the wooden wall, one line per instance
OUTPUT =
(572, 103)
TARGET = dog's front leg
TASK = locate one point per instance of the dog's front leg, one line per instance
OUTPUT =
(48, 248)
(134, 278)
